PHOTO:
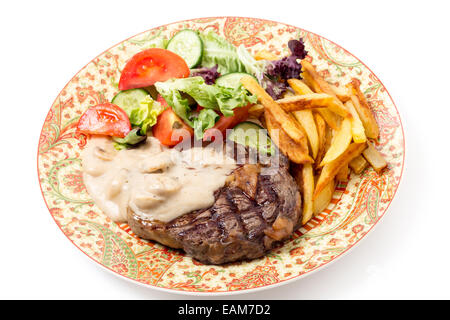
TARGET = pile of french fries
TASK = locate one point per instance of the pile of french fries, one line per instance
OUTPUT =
(323, 129)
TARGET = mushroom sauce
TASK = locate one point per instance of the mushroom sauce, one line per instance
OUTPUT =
(155, 182)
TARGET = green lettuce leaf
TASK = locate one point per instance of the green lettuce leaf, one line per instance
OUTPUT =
(218, 51)
(251, 65)
(196, 87)
(206, 119)
(144, 113)
(169, 91)
(132, 138)
(212, 97)
(230, 98)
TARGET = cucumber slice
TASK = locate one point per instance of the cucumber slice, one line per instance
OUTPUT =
(188, 45)
(129, 98)
(231, 80)
(250, 134)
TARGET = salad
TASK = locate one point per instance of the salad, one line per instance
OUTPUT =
(189, 89)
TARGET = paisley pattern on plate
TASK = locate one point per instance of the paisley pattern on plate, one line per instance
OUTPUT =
(356, 206)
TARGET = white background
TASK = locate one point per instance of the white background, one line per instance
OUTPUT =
(405, 43)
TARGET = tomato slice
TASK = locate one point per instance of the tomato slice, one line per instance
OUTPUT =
(105, 119)
(224, 123)
(150, 66)
(170, 129)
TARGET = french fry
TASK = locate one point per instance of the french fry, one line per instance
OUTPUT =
(299, 86)
(307, 101)
(374, 157)
(309, 80)
(326, 146)
(302, 88)
(331, 118)
(342, 175)
(358, 164)
(330, 170)
(315, 80)
(297, 153)
(306, 119)
(265, 55)
(287, 94)
(319, 85)
(313, 101)
(370, 125)
(256, 110)
(289, 125)
(321, 132)
(323, 199)
(341, 93)
(340, 142)
(304, 176)
(308, 191)
(358, 131)
(338, 107)
(365, 114)
(319, 122)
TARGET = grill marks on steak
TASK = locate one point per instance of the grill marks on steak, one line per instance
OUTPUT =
(257, 208)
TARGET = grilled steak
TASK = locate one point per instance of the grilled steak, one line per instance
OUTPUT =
(257, 209)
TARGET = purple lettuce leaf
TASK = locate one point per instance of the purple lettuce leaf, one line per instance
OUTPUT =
(297, 48)
(278, 71)
(274, 88)
(288, 67)
(284, 69)
(208, 74)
